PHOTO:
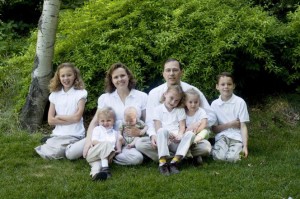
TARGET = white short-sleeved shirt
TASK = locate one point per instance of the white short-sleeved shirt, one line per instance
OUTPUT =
(198, 116)
(155, 96)
(102, 134)
(169, 120)
(66, 103)
(234, 108)
(135, 98)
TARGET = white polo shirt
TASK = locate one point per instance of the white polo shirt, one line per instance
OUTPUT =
(66, 103)
(102, 134)
(198, 116)
(234, 108)
(155, 96)
(135, 98)
(169, 120)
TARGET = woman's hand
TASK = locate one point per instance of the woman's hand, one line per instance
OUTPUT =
(87, 146)
(133, 131)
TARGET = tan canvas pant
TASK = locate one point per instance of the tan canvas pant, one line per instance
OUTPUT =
(203, 148)
(102, 150)
(58, 147)
(226, 149)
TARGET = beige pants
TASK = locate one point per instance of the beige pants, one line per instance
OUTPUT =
(226, 149)
(203, 148)
(102, 150)
(58, 147)
(181, 148)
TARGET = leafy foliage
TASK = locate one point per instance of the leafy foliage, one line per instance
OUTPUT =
(278, 8)
(207, 36)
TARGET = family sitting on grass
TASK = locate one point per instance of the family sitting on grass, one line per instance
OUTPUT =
(170, 124)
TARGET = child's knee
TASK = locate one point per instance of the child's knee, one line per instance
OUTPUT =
(72, 154)
(218, 153)
(190, 134)
(233, 159)
(162, 131)
(233, 156)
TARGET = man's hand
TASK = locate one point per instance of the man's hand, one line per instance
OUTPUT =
(153, 141)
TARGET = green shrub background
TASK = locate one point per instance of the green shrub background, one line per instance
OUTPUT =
(207, 36)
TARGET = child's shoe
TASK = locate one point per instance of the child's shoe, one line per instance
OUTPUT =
(107, 171)
(103, 174)
(164, 169)
(100, 176)
(197, 161)
(174, 168)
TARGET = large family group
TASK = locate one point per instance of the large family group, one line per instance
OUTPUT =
(171, 123)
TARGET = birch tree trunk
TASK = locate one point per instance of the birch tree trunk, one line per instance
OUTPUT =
(31, 116)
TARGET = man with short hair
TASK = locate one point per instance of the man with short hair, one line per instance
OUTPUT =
(172, 74)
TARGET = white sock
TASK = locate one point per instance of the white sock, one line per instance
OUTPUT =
(95, 167)
(104, 162)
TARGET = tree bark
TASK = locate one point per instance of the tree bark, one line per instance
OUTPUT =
(31, 116)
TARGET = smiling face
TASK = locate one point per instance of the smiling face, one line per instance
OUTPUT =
(225, 86)
(67, 77)
(172, 99)
(172, 73)
(120, 78)
(106, 120)
(192, 103)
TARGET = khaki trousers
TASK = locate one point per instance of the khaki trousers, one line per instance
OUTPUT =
(226, 149)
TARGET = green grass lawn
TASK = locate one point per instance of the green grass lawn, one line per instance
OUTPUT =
(271, 171)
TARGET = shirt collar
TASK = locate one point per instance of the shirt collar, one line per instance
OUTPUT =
(230, 101)
(71, 90)
(131, 93)
(111, 130)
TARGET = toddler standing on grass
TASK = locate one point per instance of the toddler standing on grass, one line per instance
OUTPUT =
(131, 120)
(104, 139)
(67, 102)
(231, 128)
(169, 122)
